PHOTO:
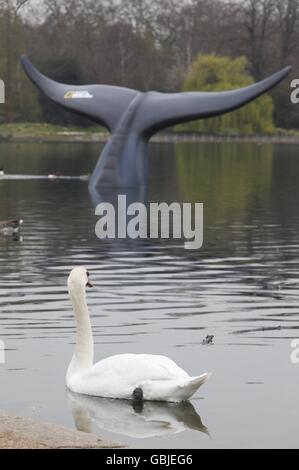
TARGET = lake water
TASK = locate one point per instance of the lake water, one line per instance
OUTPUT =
(155, 297)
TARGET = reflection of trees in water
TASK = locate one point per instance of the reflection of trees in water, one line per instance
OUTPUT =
(243, 186)
(228, 178)
(58, 216)
(251, 195)
(44, 158)
(233, 181)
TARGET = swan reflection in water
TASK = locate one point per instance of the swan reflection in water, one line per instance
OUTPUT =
(141, 420)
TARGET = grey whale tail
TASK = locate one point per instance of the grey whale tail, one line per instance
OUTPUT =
(134, 117)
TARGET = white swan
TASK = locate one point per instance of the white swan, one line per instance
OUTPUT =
(124, 376)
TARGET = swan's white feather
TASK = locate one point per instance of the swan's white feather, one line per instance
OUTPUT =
(118, 376)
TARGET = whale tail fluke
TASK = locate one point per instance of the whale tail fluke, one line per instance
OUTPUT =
(165, 110)
(107, 104)
(103, 104)
(133, 117)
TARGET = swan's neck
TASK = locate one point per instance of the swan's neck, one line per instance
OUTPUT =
(83, 357)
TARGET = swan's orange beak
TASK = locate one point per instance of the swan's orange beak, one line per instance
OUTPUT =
(89, 284)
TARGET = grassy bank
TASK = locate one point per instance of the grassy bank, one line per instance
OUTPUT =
(28, 132)
(42, 132)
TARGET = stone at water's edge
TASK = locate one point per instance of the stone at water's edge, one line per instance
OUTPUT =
(25, 433)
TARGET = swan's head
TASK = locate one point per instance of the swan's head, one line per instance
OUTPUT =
(79, 278)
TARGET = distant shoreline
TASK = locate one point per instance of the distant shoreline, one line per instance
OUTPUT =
(30, 133)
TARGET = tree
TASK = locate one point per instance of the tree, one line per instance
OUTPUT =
(252, 28)
(142, 44)
(288, 18)
(214, 73)
(10, 20)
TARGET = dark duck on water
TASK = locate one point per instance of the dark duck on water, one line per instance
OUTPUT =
(10, 227)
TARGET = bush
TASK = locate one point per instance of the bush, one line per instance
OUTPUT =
(214, 73)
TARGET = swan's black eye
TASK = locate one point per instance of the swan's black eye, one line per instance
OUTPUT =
(87, 274)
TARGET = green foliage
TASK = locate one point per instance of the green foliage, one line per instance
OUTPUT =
(215, 73)
(21, 99)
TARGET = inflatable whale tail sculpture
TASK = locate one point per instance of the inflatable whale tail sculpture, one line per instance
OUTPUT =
(133, 117)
